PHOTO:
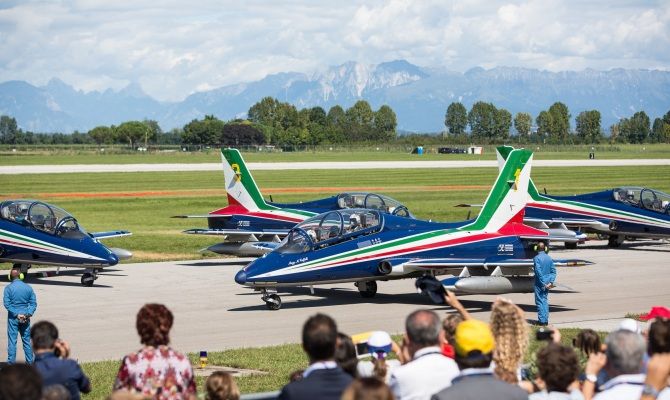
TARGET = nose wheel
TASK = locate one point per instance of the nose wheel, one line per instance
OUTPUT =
(272, 300)
(88, 278)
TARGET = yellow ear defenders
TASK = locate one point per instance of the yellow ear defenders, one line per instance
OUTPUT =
(9, 276)
(546, 249)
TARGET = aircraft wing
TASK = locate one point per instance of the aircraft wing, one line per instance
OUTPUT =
(203, 216)
(229, 232)
(591, 223)
(505, 263)
(109, 234)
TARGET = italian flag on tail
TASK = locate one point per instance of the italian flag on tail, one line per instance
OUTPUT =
(502, 152)
(240, 185)
(506, 202)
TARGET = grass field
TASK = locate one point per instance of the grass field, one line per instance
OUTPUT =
(147, 215)
(277, 361)
(369, 153)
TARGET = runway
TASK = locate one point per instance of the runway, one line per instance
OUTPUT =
(274, 166)
(213, 313)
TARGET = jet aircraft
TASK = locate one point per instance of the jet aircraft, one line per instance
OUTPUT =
(619, 213)
(490, 254)
(36, 233)
(252, 226)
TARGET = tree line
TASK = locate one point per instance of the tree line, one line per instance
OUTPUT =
(489, 124)
(269, 122)
(273, 122)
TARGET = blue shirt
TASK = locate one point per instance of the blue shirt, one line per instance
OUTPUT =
(545, 271)
(19, 298)
(58, 371)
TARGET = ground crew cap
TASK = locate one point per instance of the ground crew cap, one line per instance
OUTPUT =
(473, 335)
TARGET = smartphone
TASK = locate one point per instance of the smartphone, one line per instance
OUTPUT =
(544, 334)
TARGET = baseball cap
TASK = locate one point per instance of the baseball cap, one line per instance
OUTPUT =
(379, 344)
(629, 324)
(656, 312)
(473, 335)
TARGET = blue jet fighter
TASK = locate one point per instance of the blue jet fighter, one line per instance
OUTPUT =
(619, 213)
(252, 226)
(490, 254)
(36, 233)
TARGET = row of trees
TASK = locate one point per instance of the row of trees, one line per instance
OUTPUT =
(277, 123)
(490, 124)
(283, 124)
(269, 122)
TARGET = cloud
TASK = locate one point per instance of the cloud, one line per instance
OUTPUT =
(173, 48)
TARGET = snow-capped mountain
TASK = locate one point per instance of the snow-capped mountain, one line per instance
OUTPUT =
(419, 96)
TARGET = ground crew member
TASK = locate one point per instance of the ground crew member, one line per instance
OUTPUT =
(545, 275)
(19, 300)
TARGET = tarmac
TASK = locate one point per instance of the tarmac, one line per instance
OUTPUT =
(332, 165)
(213, 313)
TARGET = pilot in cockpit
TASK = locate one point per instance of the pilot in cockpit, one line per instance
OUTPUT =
(354, 222)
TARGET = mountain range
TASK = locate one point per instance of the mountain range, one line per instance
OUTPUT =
(418, 95)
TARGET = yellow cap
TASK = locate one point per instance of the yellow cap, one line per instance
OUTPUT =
(473, 335)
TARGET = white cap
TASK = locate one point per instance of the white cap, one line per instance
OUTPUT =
(379, 339)
(629, 324)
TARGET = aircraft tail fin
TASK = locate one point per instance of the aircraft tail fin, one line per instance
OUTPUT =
(240, 185)
(507, 200)
(502, 152)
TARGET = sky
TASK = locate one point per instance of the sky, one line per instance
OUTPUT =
(174, 48)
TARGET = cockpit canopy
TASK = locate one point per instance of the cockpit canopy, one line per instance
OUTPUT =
(330, 228)
(373, 201)
(41, 216)
(649, 199)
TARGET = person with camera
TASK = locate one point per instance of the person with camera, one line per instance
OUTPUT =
(545, 275)
(426, 371)
(474, 352)
(20, 302)
(52, 362)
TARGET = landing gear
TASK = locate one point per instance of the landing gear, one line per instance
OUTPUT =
(271, 299)
(615, 241)
(570, 245)
(367, 289)
(88, 278)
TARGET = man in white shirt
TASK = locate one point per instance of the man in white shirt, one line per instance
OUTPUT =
(625, 352)
(429, 371)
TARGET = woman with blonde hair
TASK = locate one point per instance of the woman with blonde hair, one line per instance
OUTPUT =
(221, 386)
(510, 330)
(368, 388)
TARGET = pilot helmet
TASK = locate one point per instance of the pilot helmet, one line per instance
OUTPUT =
(379, 344)
(355, 219)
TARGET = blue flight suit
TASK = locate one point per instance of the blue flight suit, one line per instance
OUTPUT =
(545, 273)
(19, 298)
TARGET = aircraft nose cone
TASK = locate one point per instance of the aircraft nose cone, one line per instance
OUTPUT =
(241, 277)
(112, 259)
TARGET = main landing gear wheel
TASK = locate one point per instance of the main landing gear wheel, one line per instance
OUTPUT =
(367, 289)
(272, 302)
(570, 245)
(88, 278)
(614, 241)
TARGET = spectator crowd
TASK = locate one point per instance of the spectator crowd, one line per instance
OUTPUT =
(458, 357)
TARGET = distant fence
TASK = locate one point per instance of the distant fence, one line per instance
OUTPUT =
(358, 147)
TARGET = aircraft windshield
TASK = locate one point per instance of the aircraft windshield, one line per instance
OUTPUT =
(332, 227)
(43, 217)
(373, 201)
(649, 199)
